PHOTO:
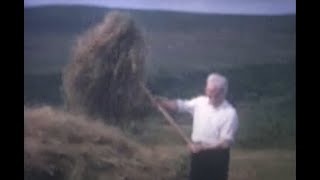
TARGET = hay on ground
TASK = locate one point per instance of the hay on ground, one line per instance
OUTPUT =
(59, 145)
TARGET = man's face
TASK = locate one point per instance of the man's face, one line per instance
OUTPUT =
(213, 91)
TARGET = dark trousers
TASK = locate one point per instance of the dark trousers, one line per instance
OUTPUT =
(210, 165)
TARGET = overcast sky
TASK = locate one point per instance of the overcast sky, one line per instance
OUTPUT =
(267, 7)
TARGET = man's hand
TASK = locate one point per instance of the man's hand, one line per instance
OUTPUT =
(194, 148)
(166, 103)
(160, 99)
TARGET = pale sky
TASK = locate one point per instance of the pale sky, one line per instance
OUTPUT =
(263, 7)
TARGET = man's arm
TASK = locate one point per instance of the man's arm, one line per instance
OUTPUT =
(178, 104)
(167, 104)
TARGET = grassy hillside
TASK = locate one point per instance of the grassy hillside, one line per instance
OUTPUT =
(188, 41)
(249, 83)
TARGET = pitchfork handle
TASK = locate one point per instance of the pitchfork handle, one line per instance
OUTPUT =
(166, 115)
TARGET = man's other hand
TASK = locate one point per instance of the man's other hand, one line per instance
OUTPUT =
(194, 148)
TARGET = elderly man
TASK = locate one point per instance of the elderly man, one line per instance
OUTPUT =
(215, 123)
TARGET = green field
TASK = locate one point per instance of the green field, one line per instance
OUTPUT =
(248, 164)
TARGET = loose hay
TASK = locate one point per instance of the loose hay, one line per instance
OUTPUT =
(107, 64)
(59, 145)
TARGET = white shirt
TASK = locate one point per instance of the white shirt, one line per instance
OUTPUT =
(210, 123)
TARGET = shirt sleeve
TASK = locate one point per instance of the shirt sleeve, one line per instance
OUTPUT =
(230, 127)
(186, 105)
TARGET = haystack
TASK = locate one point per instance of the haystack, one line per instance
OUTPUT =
(59, 145)
(103, 75)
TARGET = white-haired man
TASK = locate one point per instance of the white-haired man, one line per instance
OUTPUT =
(215, 123)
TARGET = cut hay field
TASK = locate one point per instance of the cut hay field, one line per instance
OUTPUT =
(92, 150)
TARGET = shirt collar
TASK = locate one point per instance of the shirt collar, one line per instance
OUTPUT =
(223, 104)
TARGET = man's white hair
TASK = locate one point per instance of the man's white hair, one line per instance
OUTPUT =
(218, 80)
